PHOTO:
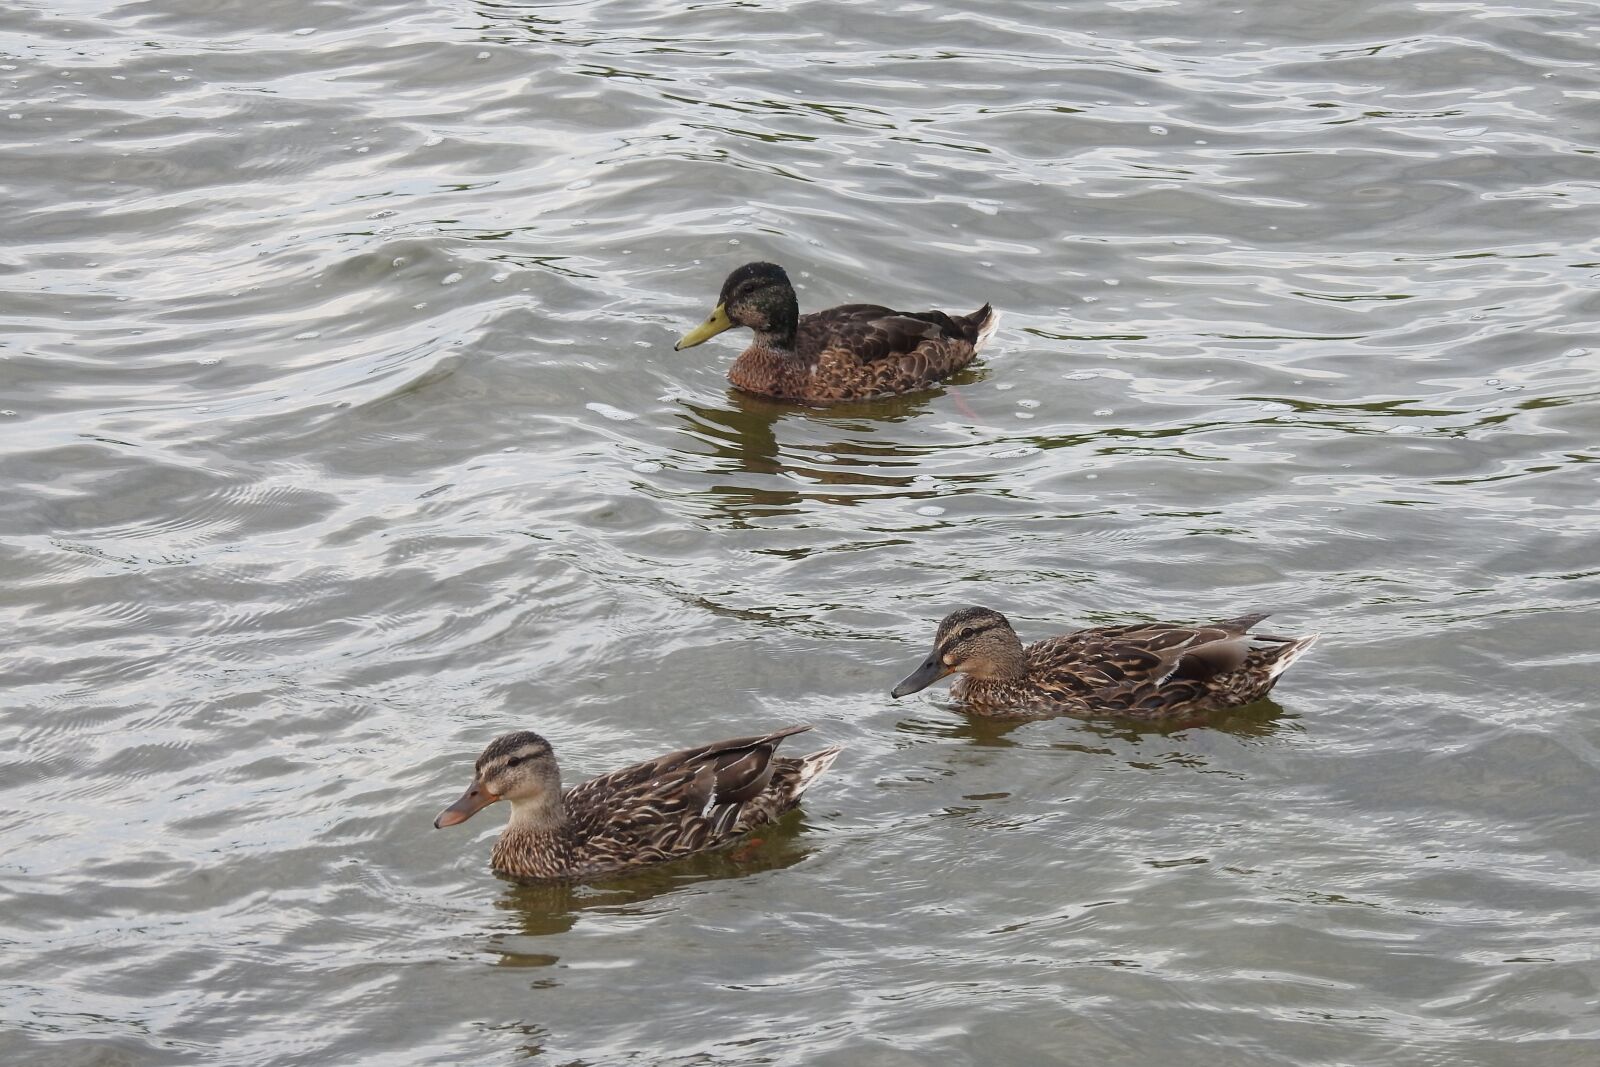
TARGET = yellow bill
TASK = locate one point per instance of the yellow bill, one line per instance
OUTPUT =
(708, 329)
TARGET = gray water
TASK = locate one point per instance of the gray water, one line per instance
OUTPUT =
(342, 431)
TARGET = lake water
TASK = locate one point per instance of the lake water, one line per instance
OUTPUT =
(342, 430)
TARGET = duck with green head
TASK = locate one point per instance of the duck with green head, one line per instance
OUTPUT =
(850, 352)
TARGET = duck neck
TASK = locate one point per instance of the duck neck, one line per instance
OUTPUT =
(533, 816)
(534, 843)
(779, 341)
(780, 309)
(1004, 662)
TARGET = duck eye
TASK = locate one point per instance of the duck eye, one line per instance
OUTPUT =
(513, 761)
(966, 633)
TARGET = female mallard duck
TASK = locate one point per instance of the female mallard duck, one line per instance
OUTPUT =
(1144, 670)
(662, 809)
(850, 352)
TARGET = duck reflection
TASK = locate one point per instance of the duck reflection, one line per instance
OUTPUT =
(842, 447)
(1259, 720)
(542, 909)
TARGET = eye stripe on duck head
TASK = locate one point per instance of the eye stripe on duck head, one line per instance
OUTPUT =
(966, 624)
(509, 750)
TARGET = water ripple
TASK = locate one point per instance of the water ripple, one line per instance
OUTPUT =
(341, 431)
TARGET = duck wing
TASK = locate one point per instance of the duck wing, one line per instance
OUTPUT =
(1143, 667)
(872, 333)
(674, 804)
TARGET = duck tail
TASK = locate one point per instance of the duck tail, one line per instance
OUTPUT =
(983, 323)
(812, 767)
(1284, 656)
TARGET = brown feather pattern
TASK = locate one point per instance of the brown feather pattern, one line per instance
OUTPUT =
(858, 351)
(662, 809)
(1143, 670)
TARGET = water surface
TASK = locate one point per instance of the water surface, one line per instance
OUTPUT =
(342, 431)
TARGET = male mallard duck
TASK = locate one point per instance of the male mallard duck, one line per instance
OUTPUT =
(850, 352)
(1144, 670)
(662, 809)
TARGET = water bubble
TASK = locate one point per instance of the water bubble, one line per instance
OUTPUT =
(1002, 387)
(309, 335)
(1491, 381)
(930, 510)
(305, 31)
(499, 276)
(1027, 403)
(1023, 414)
(1405, 428)
(398, 261)
(1101, 413)
(451, 278)
(647, 466)
(483, 55)
(1159, 131)
(1091, 477)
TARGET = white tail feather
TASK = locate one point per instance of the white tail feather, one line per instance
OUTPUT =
(987, 330)
(1298, 649)
(812, 766)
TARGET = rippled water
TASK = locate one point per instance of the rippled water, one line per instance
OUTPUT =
(342, 430)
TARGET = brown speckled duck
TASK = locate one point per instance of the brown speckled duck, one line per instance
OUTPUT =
(1144, 670)
(850, 352)
(662, 809)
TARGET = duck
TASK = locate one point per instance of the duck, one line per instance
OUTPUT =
(1142, 670)
(666, 808)
(849, 352)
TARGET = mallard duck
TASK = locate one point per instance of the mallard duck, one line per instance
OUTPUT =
(1144, 670)
(850, 352)
(662, 809)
